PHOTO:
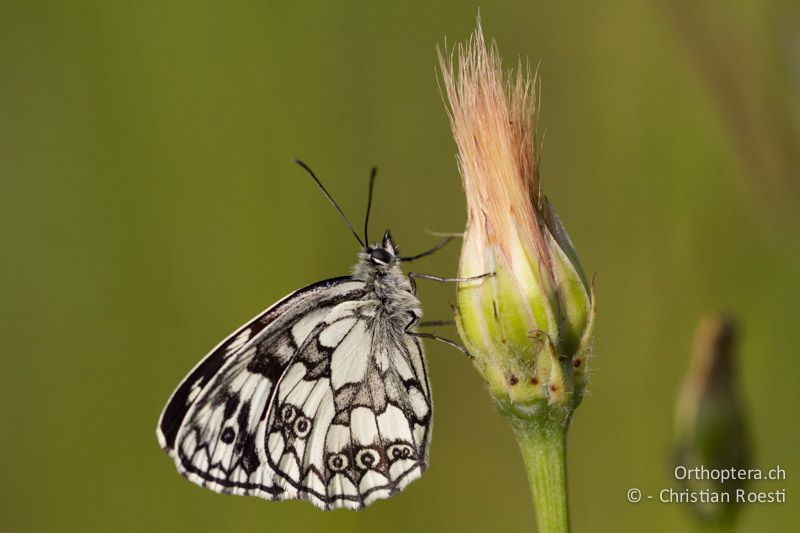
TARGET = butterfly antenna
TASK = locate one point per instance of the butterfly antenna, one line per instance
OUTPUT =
(372, 175)
(330, 199)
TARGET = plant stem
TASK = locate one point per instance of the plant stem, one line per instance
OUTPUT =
(543, 442)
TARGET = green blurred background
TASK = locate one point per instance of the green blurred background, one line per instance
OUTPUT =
(149, 206)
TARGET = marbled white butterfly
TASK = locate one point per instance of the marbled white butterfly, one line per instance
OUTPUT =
(324, 396)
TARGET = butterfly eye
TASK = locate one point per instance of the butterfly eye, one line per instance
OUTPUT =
(380, 256)
(288, 414)
(367, 458)
(338, 462)
(400, 451)
(302, 426)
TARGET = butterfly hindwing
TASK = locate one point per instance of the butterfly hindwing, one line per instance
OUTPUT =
(214, 424)
(351, 415)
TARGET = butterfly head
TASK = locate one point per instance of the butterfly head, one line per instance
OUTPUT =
(384, 254)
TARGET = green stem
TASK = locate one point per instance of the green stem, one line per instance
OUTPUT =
(543, 442)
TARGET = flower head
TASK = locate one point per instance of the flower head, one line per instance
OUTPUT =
(529, 326)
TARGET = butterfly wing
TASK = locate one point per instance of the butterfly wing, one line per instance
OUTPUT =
(352, 413)
(212, 423)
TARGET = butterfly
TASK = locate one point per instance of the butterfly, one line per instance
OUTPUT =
(323, 397)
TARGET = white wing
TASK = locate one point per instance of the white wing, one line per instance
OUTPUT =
(352, 412)
(213, 425)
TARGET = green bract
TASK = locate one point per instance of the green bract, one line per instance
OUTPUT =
(529, 326)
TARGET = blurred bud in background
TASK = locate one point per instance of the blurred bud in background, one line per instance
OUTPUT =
(710, 429)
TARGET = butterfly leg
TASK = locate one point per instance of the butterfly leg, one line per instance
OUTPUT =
(414, 322)
(412, 276)
(415, 275)
(441, 339)
(426, 253)
(434, 323)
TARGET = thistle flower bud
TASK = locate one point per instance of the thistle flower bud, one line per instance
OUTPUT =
(710, 431)
(529, 326)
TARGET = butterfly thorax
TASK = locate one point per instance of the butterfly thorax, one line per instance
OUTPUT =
(379, 268)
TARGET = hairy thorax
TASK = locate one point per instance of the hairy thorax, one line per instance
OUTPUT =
(391, 288)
